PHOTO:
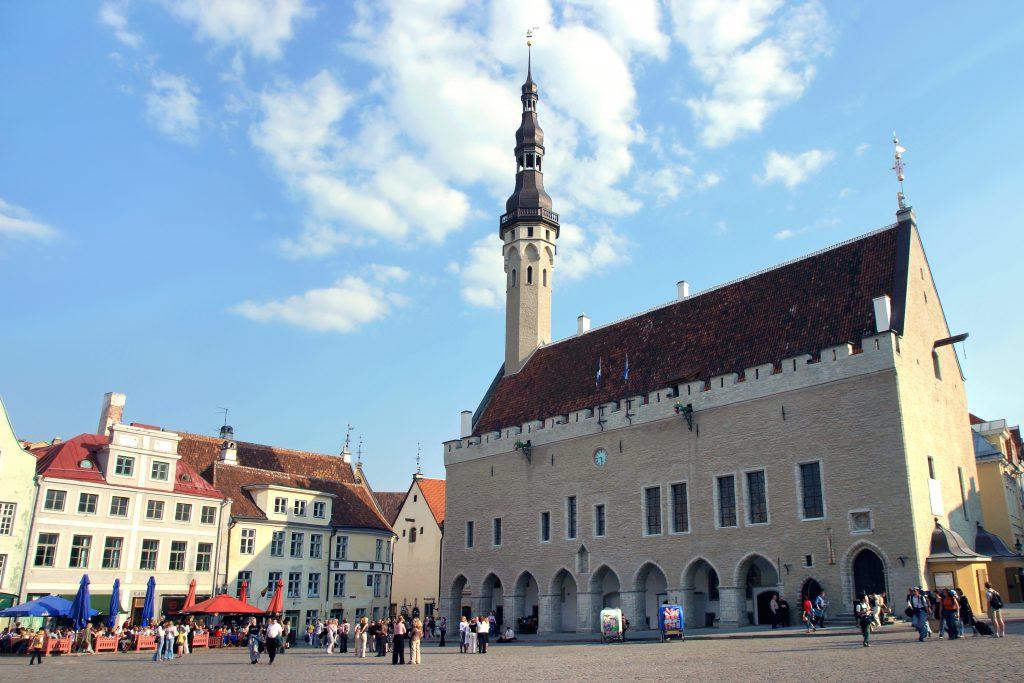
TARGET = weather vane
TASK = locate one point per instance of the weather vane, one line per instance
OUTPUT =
(898, 166)
(359, 451)
(348, 435)
(529, 35)
(418, 468)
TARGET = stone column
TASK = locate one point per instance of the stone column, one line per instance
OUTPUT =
(513, 609)
(633, 608)
(547, 609)
(450, 608)
(588, 609)
(729, 606)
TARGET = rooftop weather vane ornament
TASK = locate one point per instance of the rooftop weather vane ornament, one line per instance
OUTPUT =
(419, 470)
(898, 166)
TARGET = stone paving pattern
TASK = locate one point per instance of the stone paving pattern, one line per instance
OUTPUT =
(815, 657)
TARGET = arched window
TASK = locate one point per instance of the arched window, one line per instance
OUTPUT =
(544, 277)
(513, 277)
(412, 534)
(529, 275)
(936, 367)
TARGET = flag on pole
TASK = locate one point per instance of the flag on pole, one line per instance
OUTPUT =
(625, 372)
(597, 380)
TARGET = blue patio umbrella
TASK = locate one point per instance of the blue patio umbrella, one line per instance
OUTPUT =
(115, 604)
(147, 607)
(80, 610)
(46, 606)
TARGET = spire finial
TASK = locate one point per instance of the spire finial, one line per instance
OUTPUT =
(529, 53)
(898, 166)
(359, 452)
(419, 469)
(348, 437)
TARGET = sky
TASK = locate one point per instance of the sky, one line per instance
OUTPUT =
(289, 207)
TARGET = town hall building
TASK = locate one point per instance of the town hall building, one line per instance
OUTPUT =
(796, 430)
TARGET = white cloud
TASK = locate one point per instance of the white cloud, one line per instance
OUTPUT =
(483, 276)
(344, 307)
(173, 107)
(668, 182)
(793, 170)
(784, 234)
(356, 189)
(112, 15)
(861, 148)
(633, 26)
(754, 55)
(261, 26)
(846, 192)
(17, 222)
(385, 274)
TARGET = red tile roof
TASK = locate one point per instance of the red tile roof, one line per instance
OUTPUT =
(434, 494)
(974, 419)
(800, 307)
(260, 464)
(390, 503)
(62, 461)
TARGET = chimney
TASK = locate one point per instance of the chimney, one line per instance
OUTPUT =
(229, 452)
(111, 411)
(466, 424)
(346, 454)
(682, 290)
(583, 324)
(883, 313)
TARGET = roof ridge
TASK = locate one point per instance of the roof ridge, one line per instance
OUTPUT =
(714, 288)
(284, 449)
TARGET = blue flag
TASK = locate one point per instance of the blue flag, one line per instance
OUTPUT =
(597, 380)
(625, 373)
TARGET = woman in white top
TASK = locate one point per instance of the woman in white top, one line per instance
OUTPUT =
(471, 636)
(332, 635)
(360, 634)
(483, 629)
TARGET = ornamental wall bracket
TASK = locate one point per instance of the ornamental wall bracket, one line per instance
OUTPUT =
(686, 410)
(527, 449)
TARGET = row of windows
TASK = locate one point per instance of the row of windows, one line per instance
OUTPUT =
(55, 500)
(299, 508)
(113, 548)
(812, 506)
(7, 514)
(159, 470)
(529, 276)
(293, 584)
(247, 545)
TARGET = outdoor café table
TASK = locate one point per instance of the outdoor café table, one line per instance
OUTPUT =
(201, 640)
(145, 643)
(106, 644)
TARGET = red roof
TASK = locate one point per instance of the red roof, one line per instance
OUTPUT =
(258, 464)
(64, 461)
(390, 503)
(975, 420)
(434, 494)
(797, 308)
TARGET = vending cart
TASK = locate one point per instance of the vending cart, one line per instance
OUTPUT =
(611, 625)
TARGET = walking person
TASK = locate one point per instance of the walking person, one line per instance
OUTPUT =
(808, 615)
(343, 629)
(951, 613)
(820, 607)
(274, 639)
(865, 619)
(442, 627)
(35, 648)
(398, 642)
(995, 610)
(917, 610)
(253, 641)
(414, 641)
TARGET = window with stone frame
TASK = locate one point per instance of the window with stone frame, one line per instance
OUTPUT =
(319, 509)
(124, 466)
(298, 540)
(46, 549)
(204, 556)
(247, 542)
(812, 499)
(54, 500)
(208, 515)
(726, 501)
(316, 544)
(599, 521)
(339, 585)
(176, 558)
(277, 544)
(80, 547)
(294, 584)
(149, 554)
(154, 509)
(119, 506)
(570, 517)
(112, 547)
(545, 526)
(87, 503)
(313, 585)
(680, 508)
(7, 511)
(182, 512)
(652, 510)
(243, 577)
(757, 498)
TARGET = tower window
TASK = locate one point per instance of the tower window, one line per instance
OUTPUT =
(538, 162)
(513, 277)
(529, 231)
(936, 368)
(529, 275)
(544, 277)
(529, 161)
(547, 235)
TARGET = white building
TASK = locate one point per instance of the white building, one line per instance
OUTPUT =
(17, 495)
(121, 504)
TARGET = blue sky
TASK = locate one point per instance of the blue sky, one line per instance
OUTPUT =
(289, 207)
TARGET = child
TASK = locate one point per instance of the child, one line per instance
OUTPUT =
(36, 647)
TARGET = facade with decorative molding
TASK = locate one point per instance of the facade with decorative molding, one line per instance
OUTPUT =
(797, 430)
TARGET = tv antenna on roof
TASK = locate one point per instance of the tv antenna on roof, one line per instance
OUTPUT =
(359, 451)
(225, 411)
(348, 436)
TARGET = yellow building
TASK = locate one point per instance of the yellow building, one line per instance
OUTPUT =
(17, 497)
(308, 519)
(1000, 479)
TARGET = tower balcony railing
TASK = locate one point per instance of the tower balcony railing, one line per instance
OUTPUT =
(527, 213)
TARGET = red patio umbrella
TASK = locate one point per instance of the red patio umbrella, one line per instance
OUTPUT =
(222, 604)
(190, 599)
(243, 594)
(277, 602)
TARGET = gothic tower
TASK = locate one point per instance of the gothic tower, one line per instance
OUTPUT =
(529, 232)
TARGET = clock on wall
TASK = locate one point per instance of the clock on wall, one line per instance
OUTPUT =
(600, 457)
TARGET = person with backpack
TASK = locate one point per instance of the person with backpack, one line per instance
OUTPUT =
(951, 613)
(865, 619)
(917, 610)
(966, 613)
(995, 610)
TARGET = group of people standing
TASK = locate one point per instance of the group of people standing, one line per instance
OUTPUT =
(392, 634)
(474, 633)
(952, 610)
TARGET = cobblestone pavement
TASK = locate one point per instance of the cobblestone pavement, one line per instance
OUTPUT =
(895, 655)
